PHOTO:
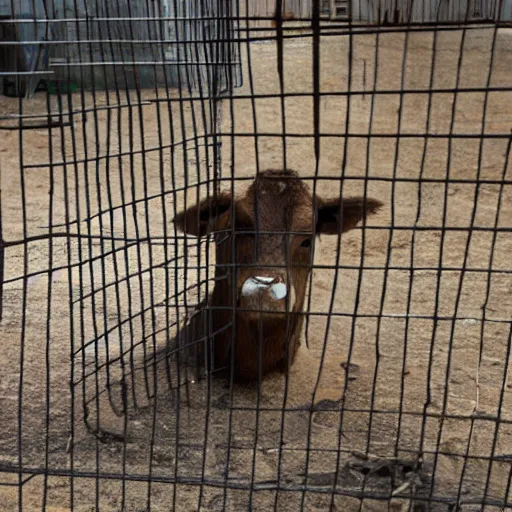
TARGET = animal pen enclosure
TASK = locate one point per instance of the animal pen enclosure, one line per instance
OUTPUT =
(398, 398)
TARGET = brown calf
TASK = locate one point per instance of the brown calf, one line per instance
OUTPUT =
(263, 261)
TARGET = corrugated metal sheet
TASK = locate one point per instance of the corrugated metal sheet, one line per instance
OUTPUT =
(267, 8)
(123, 44)
(130, 43)
(421, 11)
(28, 57)
(505, 14)
(416, 11)
(402, 11)
(5, 7)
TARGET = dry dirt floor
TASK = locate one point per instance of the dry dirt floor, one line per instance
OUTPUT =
(402, 393)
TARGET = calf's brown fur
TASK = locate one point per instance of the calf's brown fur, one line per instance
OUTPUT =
(267, 232)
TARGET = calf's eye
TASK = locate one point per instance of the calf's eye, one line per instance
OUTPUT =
(306, 243)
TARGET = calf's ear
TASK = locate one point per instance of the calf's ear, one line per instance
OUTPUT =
(340, 215)
(199, 220)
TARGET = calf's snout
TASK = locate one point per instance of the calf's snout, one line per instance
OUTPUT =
(273, 287)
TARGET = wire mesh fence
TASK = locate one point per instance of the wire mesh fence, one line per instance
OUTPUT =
(255, 255)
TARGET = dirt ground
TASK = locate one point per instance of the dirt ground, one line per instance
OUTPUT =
(436, 387)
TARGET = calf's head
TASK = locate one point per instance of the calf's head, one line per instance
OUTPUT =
(265, 240)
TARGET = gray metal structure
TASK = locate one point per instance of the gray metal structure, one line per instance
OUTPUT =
(391, 11)
(124, 44)
(31, 59)
(430, 11)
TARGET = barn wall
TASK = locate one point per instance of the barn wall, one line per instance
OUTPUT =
(418, 11)
(267, 8)
(136, 52)
(506, 11)
(28, 57)
(5, 8)
(68, 57)
(367, 10)
(189, 64)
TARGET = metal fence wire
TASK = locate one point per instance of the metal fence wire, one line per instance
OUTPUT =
(255, 255)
